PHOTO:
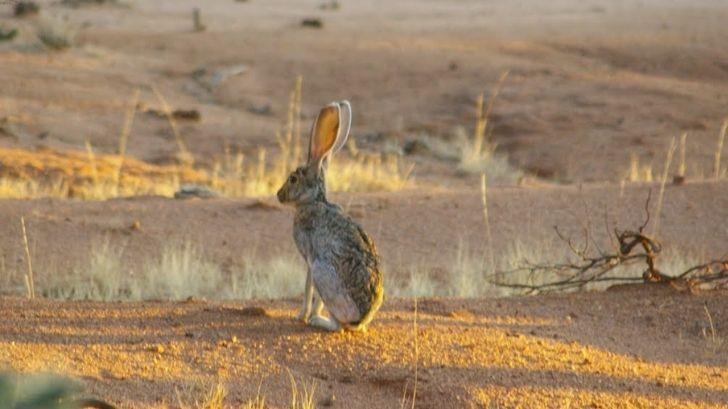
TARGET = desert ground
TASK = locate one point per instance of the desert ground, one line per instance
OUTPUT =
(633, 347)
(152, 301)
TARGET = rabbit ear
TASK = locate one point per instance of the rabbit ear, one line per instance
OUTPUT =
(344, 126)
(327, 136)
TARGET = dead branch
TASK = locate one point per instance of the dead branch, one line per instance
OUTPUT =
(634, 247)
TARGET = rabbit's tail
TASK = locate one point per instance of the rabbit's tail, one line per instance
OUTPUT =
(362, 324)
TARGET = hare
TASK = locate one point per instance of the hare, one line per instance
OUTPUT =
(343, 264)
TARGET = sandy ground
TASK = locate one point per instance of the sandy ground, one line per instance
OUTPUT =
(590, 84)
(634, 347)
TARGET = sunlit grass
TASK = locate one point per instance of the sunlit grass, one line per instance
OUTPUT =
(76, 174)
(85, 174)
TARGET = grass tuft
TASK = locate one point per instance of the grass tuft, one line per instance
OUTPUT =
(301, 396)
(477, 154)
(56, 35)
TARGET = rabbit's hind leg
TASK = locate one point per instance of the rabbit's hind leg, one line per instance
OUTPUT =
(329, 324)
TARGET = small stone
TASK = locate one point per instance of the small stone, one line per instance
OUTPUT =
(312, 23)
(328, 401)
(189, 191)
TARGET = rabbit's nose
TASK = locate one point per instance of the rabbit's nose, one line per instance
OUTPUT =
(280, 195)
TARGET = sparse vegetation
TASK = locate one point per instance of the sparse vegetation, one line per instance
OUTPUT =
(213, 395)
(8, 35)
(477, 155)
(179, 272)
(26, 8)
(302, 394)
(588, 266)
(641, 172)
(201, 395)
(56, 35)
(638, 172)
(88, 175)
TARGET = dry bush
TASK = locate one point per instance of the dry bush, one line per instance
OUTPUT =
(56, 35)
(591, 265)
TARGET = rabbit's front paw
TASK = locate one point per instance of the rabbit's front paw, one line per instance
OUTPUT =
(303, 316)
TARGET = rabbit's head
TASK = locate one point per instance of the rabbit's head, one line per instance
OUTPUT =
(330, 130)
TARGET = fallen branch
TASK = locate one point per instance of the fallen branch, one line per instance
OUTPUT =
(634, 247)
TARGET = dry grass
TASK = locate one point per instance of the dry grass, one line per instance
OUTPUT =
(471, 274)
(85, 175)
(180, 271)
(416, 357)
(103, 277)
(213, 395)
(302, 395)
(719, 150)
(477, 154)
(663, 182)
(29, 280)
(257, 402)
(682, 167)
(641, 172)
(197, 395)
(88, 175)
(183, 270)
(77, 174)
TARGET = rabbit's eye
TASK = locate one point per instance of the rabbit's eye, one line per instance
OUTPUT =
(292, 179)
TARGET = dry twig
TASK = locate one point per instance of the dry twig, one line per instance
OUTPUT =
(634, 246)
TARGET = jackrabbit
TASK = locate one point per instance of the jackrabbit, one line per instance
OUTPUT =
(343, 264)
